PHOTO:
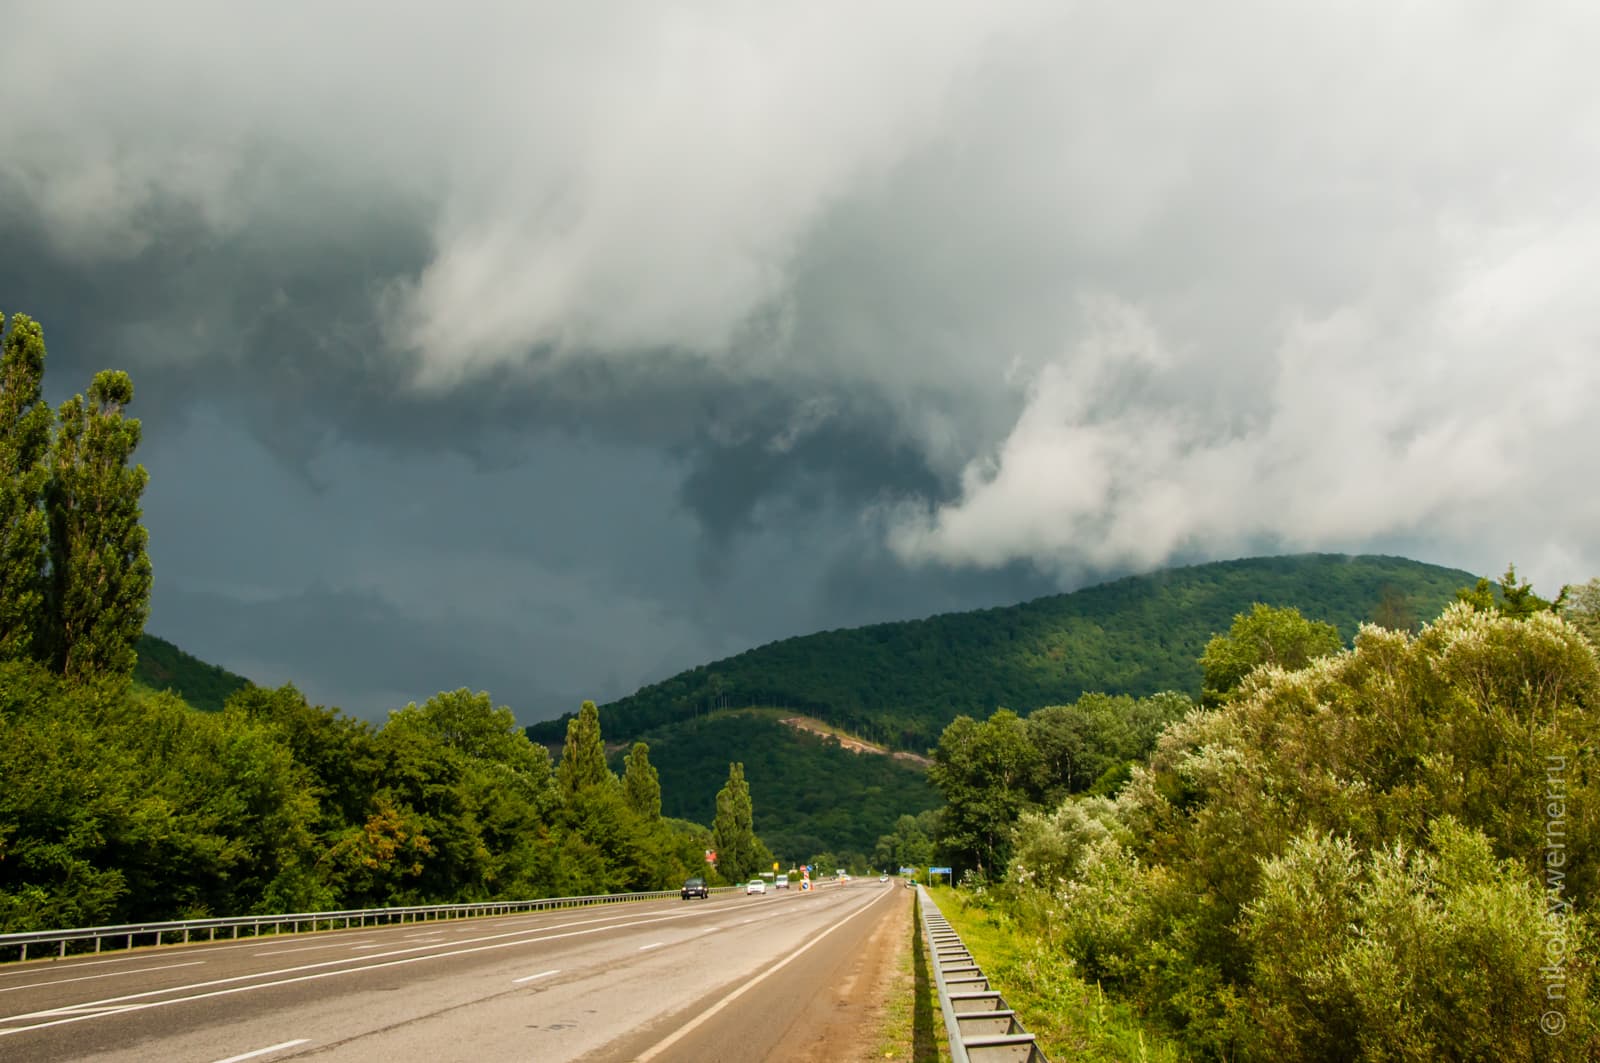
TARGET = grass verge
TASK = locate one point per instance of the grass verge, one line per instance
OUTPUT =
(1070, 1018)
(913, 1029)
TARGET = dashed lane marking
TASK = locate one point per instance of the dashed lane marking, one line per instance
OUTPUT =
(267, 1051)
(533, 977)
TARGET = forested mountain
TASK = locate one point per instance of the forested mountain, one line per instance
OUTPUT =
(810, 795)
(901, 683)
(163, 666)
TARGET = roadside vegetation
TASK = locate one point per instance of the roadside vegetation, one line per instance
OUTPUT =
(1072, 1019)
(1385, 852)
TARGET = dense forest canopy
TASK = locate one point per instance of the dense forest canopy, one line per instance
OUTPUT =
(814, 795)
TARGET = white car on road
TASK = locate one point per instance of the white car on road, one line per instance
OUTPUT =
(756, 886)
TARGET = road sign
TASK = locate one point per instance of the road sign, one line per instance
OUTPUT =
(938, 871)
(908, 871)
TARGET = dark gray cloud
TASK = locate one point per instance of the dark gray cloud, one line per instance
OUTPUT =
(572, 347)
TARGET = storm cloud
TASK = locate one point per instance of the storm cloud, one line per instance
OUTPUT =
(553, 349)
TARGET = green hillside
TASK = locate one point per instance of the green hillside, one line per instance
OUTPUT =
(901, 683)
(162, 666)
(809, 795)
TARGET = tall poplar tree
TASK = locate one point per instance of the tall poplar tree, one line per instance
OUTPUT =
(733, 830)
(98, 593)
(641, 783)
(583, 758)
(25, 422)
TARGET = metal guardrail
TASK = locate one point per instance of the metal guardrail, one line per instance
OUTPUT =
(158, 933)
(981, 1028)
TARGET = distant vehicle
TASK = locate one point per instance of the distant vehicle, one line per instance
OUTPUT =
(695, 887)
(782, 883)
(883, 878)
(756, 886)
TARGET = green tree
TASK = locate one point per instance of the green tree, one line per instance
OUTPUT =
(99, 588)
(908, 846)
(1515, 598)
(471, 724)
(24, 445)
(1264, 636)
(583, 758)
(733, 833)
(641, 784)
(986, 773)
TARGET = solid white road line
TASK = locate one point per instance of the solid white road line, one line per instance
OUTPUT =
(652, 945)
(684, 1030)
(531, 977)
(305, 948)
(264, 1051)
(108, 974)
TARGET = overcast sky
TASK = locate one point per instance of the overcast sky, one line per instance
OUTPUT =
(551, 348)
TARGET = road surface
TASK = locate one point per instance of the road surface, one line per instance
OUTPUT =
(735, 977)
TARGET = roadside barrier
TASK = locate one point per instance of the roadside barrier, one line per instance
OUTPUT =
(980, 1027)
(169, 933)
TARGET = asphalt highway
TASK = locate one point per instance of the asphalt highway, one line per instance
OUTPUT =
(657, 980)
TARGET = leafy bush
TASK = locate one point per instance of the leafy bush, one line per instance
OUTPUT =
(1387, 854)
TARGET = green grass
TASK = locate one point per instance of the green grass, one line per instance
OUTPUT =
(912, 1030)
(1070, 1018)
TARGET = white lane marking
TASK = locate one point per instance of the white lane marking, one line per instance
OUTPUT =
(742, 922)
(358, 948)
(91, 1010)
(684, 1030)
(305, 948)
(32, 967)
(264, 1051)
(652, 945)
(113, 1001)
(531, 977)
(108, 974)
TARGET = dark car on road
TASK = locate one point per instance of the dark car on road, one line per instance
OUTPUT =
(695, 887)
